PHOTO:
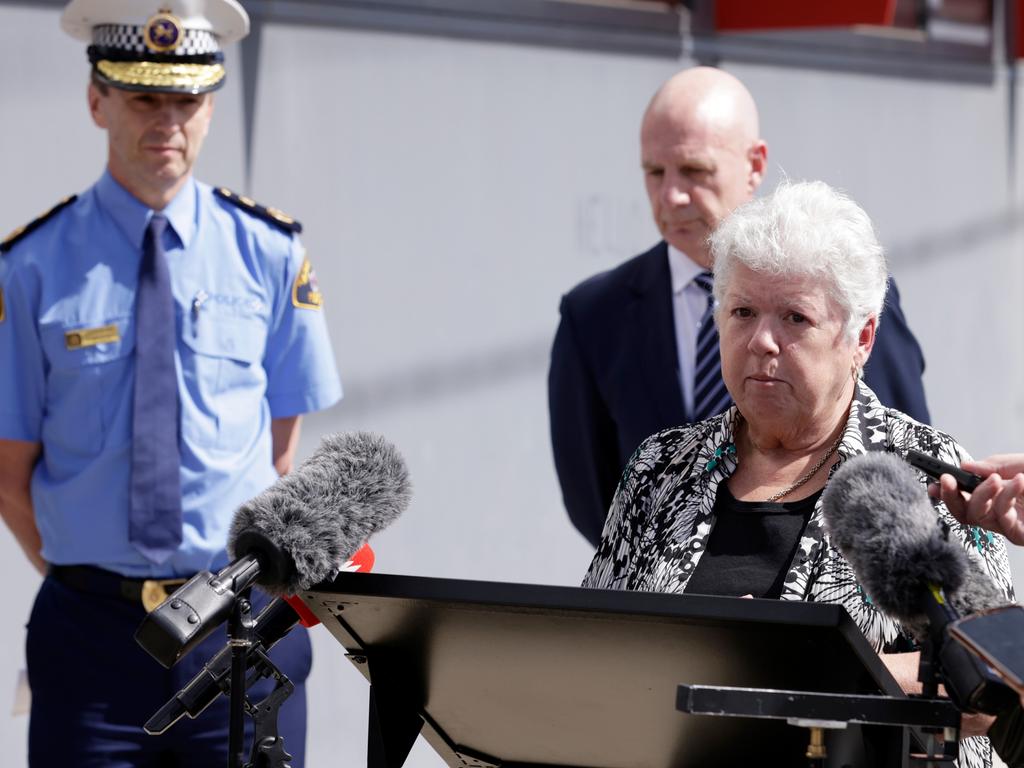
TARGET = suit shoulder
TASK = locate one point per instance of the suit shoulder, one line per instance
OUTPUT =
(273, 216)
(23, 231)
(610, 286)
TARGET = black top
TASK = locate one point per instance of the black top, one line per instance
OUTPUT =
(751, 546)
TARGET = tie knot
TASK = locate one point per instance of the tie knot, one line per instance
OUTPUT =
(157, 225)
(706, 281)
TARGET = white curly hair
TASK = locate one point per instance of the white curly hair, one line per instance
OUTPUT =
(806, 229)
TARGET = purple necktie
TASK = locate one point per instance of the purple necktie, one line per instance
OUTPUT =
(154, 525)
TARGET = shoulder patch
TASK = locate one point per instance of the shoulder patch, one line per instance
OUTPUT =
(273, 215)
(305, 290)
(20, 232)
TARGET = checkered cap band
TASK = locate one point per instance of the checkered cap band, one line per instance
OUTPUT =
(130, 37)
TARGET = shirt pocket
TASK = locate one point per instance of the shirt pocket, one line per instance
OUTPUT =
(222, 367)
(89, 384)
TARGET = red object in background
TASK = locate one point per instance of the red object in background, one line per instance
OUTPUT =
(362, 561)
(750, 15)
(1018, 12)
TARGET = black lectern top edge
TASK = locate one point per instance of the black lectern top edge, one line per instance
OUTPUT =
(516, 595)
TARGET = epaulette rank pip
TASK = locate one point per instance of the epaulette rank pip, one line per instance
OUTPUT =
(273, 215)
(20, 232)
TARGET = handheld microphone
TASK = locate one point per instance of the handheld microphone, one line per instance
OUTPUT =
(276, 620)
(879, 516)
(293, 535)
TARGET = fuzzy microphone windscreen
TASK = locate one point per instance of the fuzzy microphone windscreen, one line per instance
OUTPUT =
(879, 515)
(353, 485)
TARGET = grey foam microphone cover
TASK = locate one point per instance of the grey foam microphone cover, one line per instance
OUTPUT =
(878, 514)
(880, 517)
(353, 485)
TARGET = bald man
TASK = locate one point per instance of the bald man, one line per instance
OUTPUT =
(625, 360)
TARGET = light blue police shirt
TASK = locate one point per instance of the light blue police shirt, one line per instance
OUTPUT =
(249, 350)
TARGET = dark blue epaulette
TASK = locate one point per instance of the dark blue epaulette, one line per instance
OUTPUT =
(273, 215)
(20, 232)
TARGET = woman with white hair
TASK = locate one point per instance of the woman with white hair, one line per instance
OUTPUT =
(732, 505)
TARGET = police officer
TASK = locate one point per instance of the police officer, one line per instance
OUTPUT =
(159, 341)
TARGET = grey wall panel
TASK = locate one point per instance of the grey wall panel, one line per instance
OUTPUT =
(48, 149)
(222, 161)
(49, 146)
(443, 182)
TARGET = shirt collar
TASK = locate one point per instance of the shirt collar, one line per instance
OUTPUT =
(181, 212)
(682, 268)
(132, 216)
(867, 424)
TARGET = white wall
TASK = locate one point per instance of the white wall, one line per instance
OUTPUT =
(452, 191)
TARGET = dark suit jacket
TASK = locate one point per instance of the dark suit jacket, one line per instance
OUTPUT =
(613, 377)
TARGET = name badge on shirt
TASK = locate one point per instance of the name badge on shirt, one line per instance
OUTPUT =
(306, 291)
(90, 337)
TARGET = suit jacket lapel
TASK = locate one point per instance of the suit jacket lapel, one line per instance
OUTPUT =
(654, 327)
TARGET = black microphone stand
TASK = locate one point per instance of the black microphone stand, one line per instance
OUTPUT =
(929, 673)
(268, 746)
(240, 632)
(248, 664)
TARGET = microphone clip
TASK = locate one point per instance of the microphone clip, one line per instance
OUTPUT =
(204, 602)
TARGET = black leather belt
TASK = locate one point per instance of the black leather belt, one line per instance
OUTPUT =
(148, 593)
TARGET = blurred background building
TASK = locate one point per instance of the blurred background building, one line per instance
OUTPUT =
(459, 164)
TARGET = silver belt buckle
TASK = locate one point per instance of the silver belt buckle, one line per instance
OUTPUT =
(155, 591)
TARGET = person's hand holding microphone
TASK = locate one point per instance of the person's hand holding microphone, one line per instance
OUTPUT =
(997, 503)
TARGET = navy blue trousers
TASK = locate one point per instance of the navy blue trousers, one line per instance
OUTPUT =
(93, 688)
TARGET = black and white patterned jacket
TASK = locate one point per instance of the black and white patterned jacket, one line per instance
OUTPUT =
(662, 514)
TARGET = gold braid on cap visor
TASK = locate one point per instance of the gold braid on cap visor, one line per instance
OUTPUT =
(153, 74)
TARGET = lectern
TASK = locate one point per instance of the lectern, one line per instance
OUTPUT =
(499, 675)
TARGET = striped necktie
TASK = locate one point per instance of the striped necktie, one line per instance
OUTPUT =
(154, 525)
(710, 397)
